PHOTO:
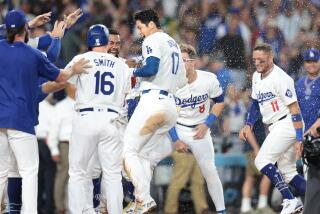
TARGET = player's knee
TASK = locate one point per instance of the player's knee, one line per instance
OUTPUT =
(288, 173)
(260, 162)
(153, 123)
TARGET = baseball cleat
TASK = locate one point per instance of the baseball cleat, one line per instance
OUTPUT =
(291, 206)
(145, 208)
(129, 209)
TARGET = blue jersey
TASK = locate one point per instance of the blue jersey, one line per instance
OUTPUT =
(21, 67)
(308, 94)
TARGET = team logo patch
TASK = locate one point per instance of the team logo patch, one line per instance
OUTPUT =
(289, 93)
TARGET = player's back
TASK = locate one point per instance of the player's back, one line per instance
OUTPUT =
(104, 85)
(171, 73)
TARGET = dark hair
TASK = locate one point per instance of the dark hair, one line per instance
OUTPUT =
(12, 32)
(113, 31)
(147, 16)
(263, 47)
(189, 49)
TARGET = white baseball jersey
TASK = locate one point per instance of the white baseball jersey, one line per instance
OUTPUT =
(45, 119)
(274, 93)
(61, 125)
(193, 99)
(98, 88)
(171, 74)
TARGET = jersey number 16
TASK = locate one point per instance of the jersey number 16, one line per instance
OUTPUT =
(104, 85)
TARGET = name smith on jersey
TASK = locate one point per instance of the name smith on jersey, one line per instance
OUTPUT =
(104, 62)
(191, 101)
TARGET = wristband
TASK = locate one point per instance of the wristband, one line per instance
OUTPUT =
(296, 117)
(173, 134)
(210, 119)
(299, 134)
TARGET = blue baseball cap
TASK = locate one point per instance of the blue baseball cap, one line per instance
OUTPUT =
(311, 55)
(15, 19)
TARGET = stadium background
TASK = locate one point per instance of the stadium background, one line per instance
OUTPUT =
(223, 32)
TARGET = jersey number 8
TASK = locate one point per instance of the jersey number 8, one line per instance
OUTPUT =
(104, 85)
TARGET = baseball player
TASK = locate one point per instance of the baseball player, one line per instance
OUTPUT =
(274, 96)
(100, 96)
(192, 131)
(308, 88)
(45, 87)
(113, 47)
(19, 104)
(162, 73)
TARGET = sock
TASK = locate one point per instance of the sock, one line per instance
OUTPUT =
(263, 201)
(277, 180)
(96, 192)
(299, 183)
(14, 195)
(246, 205)
(221, 212)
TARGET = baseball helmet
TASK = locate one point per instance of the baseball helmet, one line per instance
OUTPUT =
(3, 32)
(97, 36)
(311, 55)
(311, 151)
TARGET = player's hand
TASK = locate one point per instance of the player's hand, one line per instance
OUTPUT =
(40, 20)
(181, 146)
(201, 131)
(72, 18)
(298, 148)
(244, 132)
(80, 66)
(58, 29)
(131, 63)
(56, 158)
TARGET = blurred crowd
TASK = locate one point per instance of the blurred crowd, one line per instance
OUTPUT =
(223, 32)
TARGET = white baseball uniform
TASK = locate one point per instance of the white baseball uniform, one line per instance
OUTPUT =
(156, 112)
(99, 97)
(193, 100)
(274, 93)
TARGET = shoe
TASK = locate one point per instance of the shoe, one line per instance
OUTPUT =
(129, 209)
(291, 206)
(145, 208)
(265, 210)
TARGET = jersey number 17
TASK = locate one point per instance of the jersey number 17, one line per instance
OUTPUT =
(175, 62)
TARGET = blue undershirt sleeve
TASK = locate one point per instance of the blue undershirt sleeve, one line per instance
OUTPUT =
(53, 51)
(253, 113)
(44, 41)
(149, 69)
(219, 99)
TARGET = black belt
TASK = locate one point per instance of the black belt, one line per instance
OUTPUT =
(281, 118)
(162, 92)
(92, 109)
(189, 126)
